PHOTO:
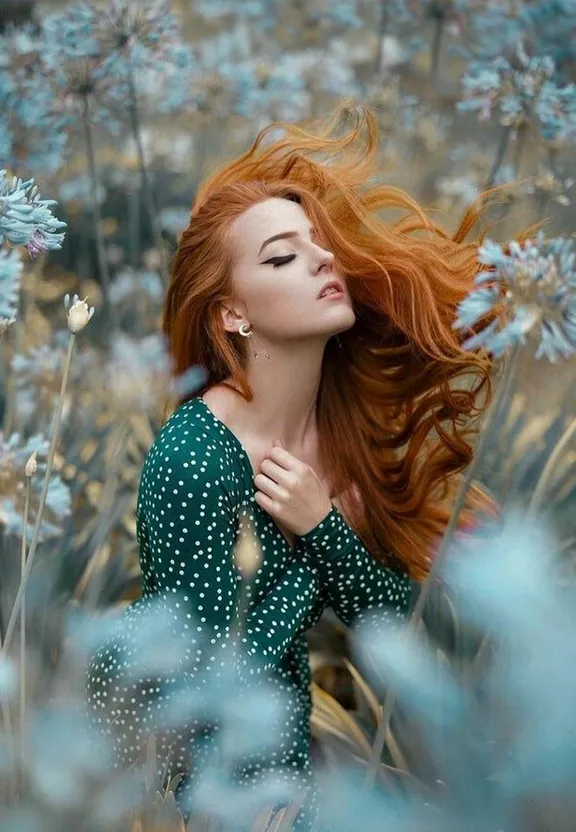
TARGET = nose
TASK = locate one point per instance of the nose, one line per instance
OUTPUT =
(325, 260)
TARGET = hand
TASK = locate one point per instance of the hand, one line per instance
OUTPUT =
(291, 491)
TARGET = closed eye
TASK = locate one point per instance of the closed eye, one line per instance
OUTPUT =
(280, 261)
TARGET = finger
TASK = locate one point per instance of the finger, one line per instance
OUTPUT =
(283, 457)
(269, 487)
(269, 505)
(264, 500)
(277, 473)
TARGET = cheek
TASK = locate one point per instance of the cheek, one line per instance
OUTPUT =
(280, 300)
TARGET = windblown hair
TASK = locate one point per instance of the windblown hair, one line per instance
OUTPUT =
(400, 397)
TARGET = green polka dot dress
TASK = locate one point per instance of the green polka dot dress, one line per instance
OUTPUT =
(195, 493)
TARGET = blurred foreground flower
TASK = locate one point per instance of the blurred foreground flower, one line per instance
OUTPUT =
(488, 745)
(534, 286)
(211, 716)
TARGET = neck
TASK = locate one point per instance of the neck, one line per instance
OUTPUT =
(285, 393)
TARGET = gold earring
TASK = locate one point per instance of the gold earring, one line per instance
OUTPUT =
(249, 335)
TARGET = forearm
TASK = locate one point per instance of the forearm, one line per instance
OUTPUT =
(355, 581)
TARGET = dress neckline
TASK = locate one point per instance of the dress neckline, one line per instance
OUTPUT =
(230, 433)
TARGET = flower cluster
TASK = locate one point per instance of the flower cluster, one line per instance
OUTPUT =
(31, 127)
(533, 287)
(111, 48)
(26, 218)
(547, 27)
(524, 90)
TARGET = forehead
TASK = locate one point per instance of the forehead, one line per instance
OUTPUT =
(270, 217)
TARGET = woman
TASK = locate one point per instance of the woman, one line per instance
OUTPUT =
(333, 421)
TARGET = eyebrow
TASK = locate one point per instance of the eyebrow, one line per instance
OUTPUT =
(282, 236)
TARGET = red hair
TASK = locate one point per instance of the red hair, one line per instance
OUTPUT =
(399, 399)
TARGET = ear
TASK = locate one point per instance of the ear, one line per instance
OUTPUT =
(232, 316)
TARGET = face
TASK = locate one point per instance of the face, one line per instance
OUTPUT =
(277, 282)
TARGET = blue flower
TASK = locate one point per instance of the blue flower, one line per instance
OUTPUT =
(113, 51)
(531, 289)
(521, 88)
(32, 130)
(26, 218)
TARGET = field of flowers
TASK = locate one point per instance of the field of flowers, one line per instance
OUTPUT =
(111, 113)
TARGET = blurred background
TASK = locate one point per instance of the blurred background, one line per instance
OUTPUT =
(118, 111)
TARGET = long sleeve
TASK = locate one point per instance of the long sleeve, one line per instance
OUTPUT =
(192, 529)
(355, 582)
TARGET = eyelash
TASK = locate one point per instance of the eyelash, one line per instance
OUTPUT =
(282, 260)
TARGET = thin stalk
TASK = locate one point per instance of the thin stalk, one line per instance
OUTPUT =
(437, 563)
(49, 465)
(135, 248)
(23, 634)
(549, 468)
(147, 193)
(500, 154)
(553, 159)
(94, 203)
(436, 51)
(134, 244)
(544, 197)
(519, 148)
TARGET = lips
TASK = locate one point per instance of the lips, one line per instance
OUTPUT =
(332, 284)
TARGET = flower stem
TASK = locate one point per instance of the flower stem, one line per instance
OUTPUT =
(491, 418)
(145, 179)
(23, 635)
(550, 468)
(95, 205)
(500, 154)
(436, 48)
(49, 464)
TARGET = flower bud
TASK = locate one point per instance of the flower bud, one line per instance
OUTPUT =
(78, 313)
(31, 466)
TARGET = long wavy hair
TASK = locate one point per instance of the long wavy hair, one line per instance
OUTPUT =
(399, 396)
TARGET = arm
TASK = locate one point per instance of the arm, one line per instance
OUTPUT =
(355, 582)
(192, 527)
